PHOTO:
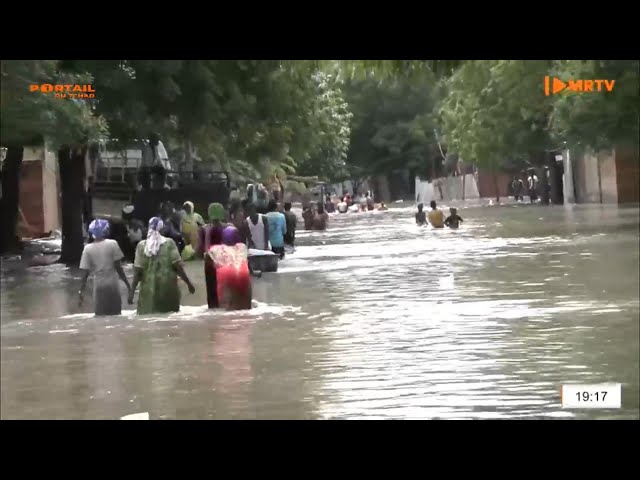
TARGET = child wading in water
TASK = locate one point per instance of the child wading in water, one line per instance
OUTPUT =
(421, 217)
(453, 221)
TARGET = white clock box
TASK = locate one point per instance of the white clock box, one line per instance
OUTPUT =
(601, 395)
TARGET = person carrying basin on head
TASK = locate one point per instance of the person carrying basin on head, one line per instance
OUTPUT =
(277, 228)
(421, 216)
(156, 268)
(453, 221)
(103, 258)
(232, 270)
(435, 216)
(209, 235)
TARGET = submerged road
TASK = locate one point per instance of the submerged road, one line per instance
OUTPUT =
(374, 318)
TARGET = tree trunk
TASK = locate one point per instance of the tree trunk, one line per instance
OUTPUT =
(188, 158)
(72, 177)
(599, 175)
(464, 177)
(10, 197)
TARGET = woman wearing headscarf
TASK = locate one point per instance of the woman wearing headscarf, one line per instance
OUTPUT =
(232, 270)
(103, 258)
(190, 223)
(210, 235)
(157, 268)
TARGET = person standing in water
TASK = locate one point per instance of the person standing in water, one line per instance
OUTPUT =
(321, 219)
(157, 268)
(257, 228)
(329, 206)
(103, 258)
(453, 221)
(232, 270)
(190, 223)
(209, 235)
(292, 223)
(435, 216)
(308, 216)
(421, 216)
(277, 228)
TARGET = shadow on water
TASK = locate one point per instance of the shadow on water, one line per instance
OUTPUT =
(374, 318)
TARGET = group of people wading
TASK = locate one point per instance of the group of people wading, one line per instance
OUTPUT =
(158, 255)
(435, 217)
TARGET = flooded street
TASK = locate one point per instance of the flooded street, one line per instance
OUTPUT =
(373, 319)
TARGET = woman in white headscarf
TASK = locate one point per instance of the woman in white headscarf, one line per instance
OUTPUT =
(157, 266)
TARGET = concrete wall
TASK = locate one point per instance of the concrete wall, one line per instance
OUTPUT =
(628, 174)
(39, 191)
(595, 177)
(447, 188)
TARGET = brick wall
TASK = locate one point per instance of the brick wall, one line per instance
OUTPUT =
(487, 184)
(31, 202)
(628, 175)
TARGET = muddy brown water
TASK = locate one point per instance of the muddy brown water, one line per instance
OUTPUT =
(373, 319)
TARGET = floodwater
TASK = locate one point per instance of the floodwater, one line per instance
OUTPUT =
(373, 319)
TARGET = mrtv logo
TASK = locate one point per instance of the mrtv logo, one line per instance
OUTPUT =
(553, 85)
(65, 91)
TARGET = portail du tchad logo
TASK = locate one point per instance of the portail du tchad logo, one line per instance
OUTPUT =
(553, 85)
(65, 91)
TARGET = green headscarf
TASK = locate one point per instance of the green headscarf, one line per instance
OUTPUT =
(216, 212)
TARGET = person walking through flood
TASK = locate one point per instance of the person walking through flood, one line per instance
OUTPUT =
(292, 223)
(329, 206)
(435, 216)
(190, 223)
(321, 218)
(232, 270)
(370, 203)
(421, 216)
(171, 221)
(135, 231)
(156, 268)
(517, 187)
(307, 216)
(277, 228)
(258, 229)
(103, 258)
(209, 235)
(532, 186)
(453, 221)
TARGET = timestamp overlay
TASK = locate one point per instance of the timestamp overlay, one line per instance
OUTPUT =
(593, 396)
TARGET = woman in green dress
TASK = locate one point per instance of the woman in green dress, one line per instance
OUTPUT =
(157, 268)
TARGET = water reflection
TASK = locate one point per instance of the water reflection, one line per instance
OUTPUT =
(375, 318)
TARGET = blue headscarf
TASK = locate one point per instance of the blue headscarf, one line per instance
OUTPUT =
(99, 228)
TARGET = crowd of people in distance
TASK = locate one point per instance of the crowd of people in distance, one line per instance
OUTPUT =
(159, 249)
(435, 217)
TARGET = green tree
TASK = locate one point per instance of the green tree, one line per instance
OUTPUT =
(28, 117)
(603, 120)
(393, 125)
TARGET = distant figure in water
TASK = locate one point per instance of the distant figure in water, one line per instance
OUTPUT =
(321, 218)
(232, 270)
(308, 216)
(421, 217)
(103, 258)
(382, 207)
(156, 268)
(453, 220)
(436, 217)
(343, 207)
(292, 223)
(329, 205)
(370, 203)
